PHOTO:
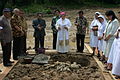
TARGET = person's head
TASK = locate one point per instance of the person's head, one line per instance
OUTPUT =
(39, 15)
(21, 13)
(110, 15)
(97, 14)
(63, 15)
(80, 13)
(16, 11)
(7, 12)
(57, 12)
(101, 18)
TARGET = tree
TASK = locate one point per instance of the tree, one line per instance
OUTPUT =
(2, 5)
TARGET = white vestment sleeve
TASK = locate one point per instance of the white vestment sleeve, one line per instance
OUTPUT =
(1, 27)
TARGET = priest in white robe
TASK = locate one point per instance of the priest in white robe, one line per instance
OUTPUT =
(63, 25)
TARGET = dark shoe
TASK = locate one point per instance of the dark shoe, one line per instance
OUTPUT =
(15, 58)
(30, 48)
(117, 77)
(11, 61)
(92, 54)
(7, 64)
(22, 55)
(101, 59)
(98, 55)
(33, 47)
(77, 51)
(105, 62)
(81, 51)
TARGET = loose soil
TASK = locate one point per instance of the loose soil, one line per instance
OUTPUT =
(89, 70)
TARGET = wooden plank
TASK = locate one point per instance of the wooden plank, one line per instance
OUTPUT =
(6, 70)
(106, 74)
(89, 48)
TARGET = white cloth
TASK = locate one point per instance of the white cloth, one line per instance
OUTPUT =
(101, 30)
(63, 35)
(116, 59)
(93, 38)
(111, 29)
(113, 49)
(114, 56)
(1, 27)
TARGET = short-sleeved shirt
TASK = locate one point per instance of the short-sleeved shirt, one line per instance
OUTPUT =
(82, 21)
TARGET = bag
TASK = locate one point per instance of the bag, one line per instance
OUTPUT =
(40, 50)
(95, 33)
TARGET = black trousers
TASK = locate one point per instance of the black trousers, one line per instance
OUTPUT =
(24, 48)
(6, 48)
(39, 42)
(17, 47)
(80, 42)
(54, 40)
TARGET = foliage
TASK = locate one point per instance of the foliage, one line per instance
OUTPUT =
(46, 6)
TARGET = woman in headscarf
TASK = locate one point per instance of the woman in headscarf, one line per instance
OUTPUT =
(114, 57)
(94, 32)
(109, 34)
(101, 30)
(63, 25)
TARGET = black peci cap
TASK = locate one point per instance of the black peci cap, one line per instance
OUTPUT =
(7, 10)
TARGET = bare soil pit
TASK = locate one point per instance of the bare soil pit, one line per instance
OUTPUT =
(60, 67)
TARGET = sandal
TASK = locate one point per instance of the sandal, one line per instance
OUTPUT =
(117, 77)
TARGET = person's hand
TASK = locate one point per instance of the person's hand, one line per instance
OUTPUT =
(84, 27)
(95, 28)
(59, 28)
(76, 24)
(117, 36)
(39, 25)
(99, 38)
(22, 32)
(66, 28)
(107, 38)
(40, 28)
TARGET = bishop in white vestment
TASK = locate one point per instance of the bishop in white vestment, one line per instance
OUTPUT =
(63, 25)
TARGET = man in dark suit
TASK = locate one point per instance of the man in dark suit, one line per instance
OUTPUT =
(39, 26)
(6, 36)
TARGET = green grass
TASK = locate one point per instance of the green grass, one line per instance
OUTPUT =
(33, 8)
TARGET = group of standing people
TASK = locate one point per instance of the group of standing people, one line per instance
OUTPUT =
(60, 26)
(13, 27)
(104, 36)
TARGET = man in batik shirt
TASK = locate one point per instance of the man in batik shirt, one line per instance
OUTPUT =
(81, 23)
(17, 34)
